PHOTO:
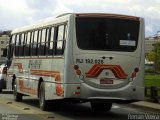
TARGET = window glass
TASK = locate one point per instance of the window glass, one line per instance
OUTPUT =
(13, 39)
(42, 44)
(59, 48)
(39, 41)
(60, 40)
(27, 46)
(107, 34)
(21, 50)
(34, 43)
(50, 50)
(47, 41)
(65, 34)
(60, 32)
(17, 39)
(17, 45)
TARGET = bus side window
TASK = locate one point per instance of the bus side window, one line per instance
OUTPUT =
(27, 47)
(25, 43)
(39, 41)
(60, 39)
(65, 37)
(42, 43)
(21, 45)
(47, 41)
(17, 45)
(51, 48)
(34, 43)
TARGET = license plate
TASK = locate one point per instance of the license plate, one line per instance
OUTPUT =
(106, 81)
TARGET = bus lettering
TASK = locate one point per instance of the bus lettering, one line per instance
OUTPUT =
(35, 64)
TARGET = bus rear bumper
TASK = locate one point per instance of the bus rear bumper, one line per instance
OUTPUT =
(126, 94)
(123, 94)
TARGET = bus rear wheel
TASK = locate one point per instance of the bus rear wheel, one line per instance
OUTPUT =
(97, 106)
(42, 102)
(17, 96)
(0, 90)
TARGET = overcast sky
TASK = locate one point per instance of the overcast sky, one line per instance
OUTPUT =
(17, 13)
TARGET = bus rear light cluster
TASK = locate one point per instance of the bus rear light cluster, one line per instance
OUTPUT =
(78, 71)
(78, 91)
(76, 67)
(78, 88)
(134, 74)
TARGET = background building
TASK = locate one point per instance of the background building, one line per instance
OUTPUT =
(149, 44)
(4, 40)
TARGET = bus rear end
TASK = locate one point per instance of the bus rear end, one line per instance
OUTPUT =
(108, 58)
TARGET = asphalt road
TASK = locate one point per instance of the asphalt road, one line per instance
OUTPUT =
(29, 110)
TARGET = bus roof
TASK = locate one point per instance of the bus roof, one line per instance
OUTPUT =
(42, 23)
(64, 17)
(108, 16)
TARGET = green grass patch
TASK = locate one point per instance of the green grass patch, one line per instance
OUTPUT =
(152, 80)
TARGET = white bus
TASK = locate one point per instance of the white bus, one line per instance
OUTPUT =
(77, 57)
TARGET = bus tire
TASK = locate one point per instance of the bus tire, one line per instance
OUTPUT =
(17, 96)
(101, 106)
(42, 102)
(0, 90)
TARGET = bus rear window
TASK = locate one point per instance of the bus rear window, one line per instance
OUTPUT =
(107, 34)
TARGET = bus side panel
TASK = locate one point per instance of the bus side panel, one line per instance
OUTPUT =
(71, 81)
(138, 82)
(125, 93)
(54, 86)
(21, 72)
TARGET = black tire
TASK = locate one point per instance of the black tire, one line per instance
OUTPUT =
(17, 96)
(0, 90)
(44, 105)
(101, 106)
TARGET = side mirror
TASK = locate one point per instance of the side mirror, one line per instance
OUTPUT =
(5, 52)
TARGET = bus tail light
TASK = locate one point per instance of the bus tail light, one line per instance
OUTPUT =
(78, 91)
(134, 74)
(76, 67)
(77, 70)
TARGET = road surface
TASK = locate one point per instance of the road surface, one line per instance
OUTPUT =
(29, 110)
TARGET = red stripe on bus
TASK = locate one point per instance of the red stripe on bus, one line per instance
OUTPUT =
(97, 69)
(59, 90)
(20, 67)
(55, 74)
(23, 88)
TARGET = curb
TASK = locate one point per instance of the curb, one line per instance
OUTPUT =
(149, 107)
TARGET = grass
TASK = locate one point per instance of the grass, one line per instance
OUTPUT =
(152, 80)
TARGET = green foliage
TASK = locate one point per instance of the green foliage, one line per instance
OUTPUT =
(151, 56)
(155, 56)
(150, 71)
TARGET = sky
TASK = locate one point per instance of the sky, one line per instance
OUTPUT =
(18, 13)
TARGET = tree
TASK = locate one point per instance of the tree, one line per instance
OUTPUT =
(151, 56)
(155, 56)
